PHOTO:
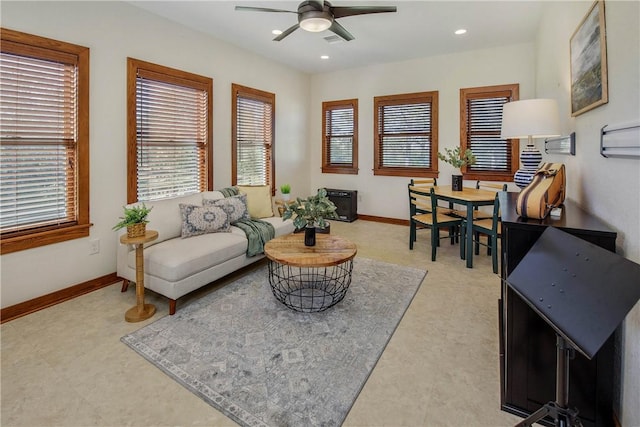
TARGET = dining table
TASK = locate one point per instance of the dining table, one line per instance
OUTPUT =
(471, 198)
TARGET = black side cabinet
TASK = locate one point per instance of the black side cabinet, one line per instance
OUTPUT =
(527, 342)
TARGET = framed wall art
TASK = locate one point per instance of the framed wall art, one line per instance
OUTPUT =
(589, 62)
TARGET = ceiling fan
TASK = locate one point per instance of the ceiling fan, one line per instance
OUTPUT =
(316, 16)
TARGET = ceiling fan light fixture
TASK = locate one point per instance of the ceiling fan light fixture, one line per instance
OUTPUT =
(315, 25)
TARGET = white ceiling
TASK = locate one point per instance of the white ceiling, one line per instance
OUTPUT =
(418, 29)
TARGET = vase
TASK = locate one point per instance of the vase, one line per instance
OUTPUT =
(310, 236)
(456, 182)
(286, 197)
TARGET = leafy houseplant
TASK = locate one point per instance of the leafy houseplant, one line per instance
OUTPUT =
(285, 189)
(134, 219)
(309, 212)
(457, 160)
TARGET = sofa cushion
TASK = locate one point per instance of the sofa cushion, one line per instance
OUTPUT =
(235, 206)
(281, 227)
(212, 195)
(176, 259)
(258, 200)
(165, 217)
(198, 220)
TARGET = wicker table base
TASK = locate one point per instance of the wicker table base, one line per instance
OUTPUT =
(310, 289)
(310, 278)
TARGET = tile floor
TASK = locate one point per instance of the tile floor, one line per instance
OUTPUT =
(65, 366)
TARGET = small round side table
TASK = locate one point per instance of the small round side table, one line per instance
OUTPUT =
(141, 311)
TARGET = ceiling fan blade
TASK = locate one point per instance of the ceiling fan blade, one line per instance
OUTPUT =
(287, 32)
(341, 31)
(262, 9)
(342, 11)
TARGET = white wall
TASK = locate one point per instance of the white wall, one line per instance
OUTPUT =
(608, 188)
(114, 31)
(387, 196)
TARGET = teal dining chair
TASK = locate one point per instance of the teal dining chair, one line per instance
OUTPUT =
(492, 228)
(434, 220)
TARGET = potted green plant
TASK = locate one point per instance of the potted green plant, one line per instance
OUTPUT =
(457, 160)
(285, 189)
(309, 213)
(134, 219)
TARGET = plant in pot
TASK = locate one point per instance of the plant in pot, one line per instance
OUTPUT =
(309, 213)
(457, 160)
(134, 219)
(285, 189)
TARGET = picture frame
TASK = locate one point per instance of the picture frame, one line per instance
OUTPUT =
(588, 57)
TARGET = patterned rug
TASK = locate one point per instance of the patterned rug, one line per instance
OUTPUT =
(262, 364)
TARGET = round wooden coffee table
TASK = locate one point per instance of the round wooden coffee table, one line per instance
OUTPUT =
(310, 278)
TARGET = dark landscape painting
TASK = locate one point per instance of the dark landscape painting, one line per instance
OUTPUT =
(589, 62)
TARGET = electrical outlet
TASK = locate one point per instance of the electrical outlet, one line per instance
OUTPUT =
(94, 247)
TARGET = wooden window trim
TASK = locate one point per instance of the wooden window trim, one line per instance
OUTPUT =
(136, 67)
(266, 97)
(327, 167)
(485, 92)
(49, 49)
(406, 98)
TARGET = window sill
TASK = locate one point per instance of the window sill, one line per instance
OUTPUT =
(43, 238)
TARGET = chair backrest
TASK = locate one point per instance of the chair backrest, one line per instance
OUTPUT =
(419, 202)
(496, 213)
(424, 182)
(491, 186)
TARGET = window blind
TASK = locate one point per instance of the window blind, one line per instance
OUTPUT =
(484, 119)
(171, 135)
(404, 135)
(254, 138)
(339, 134)
(38, 155)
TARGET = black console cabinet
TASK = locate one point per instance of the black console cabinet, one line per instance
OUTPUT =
(527, 342)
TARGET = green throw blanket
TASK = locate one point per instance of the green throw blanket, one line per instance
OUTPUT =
(258, 232)
(230, 191)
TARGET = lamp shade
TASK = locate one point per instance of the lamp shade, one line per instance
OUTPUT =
(530, 118)
(315, 24)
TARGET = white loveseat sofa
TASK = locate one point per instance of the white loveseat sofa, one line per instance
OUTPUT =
(175, 266)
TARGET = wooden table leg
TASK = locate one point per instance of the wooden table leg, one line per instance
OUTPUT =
(141, 311)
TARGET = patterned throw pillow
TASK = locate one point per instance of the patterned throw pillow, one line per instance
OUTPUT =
(235, 207)
(198, 220)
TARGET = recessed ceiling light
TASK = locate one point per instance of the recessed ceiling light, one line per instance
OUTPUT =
(324, 57)
(461, 31)
(276, 32)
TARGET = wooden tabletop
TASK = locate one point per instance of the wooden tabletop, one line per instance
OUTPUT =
(467, 194)
(328, 251)
(149, 236)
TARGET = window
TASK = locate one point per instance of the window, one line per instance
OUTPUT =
(480, 122)
(169, 132)
(340, 137)
(252, 136)
(406, 135)
(44, 157)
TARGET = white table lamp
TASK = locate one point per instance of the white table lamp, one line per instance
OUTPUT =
(530, 118)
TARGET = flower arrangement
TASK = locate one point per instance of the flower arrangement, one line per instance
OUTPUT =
(456, 159)
(314, 210)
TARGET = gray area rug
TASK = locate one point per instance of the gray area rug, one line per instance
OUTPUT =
(262, 364)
